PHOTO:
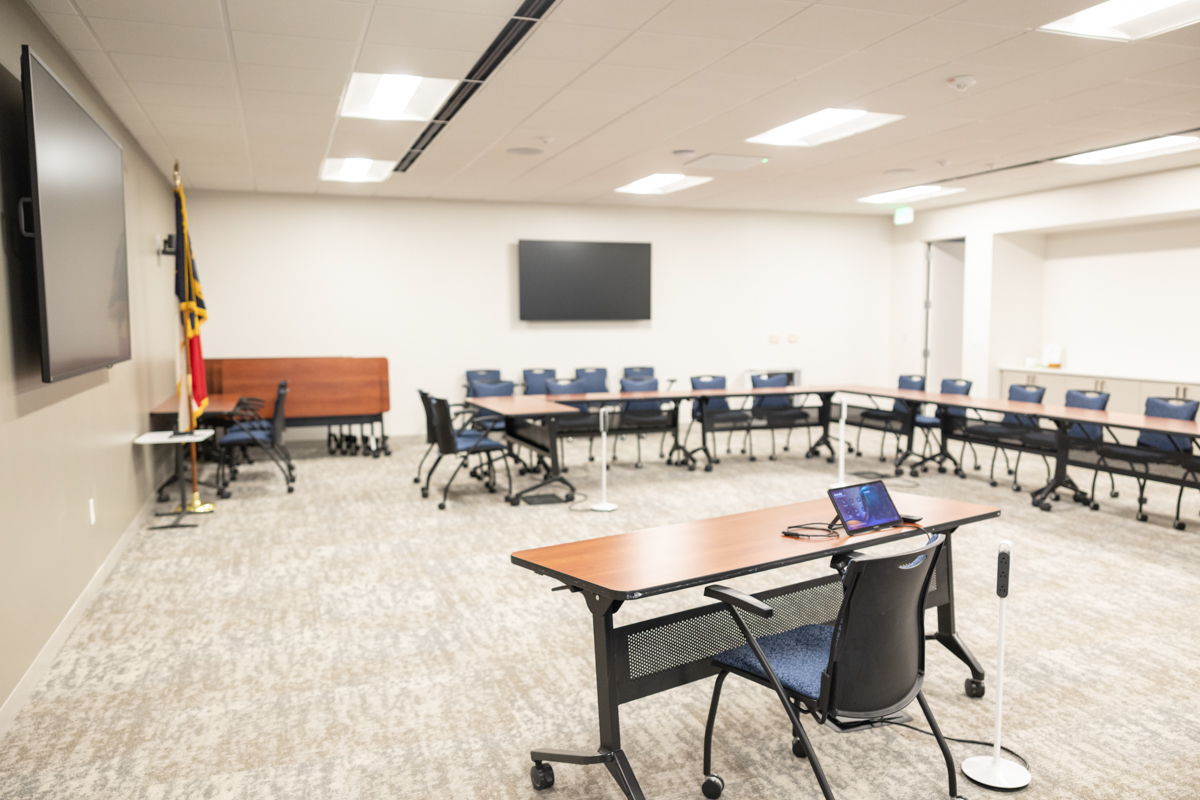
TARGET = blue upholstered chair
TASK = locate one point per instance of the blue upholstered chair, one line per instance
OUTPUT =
(535, 380)
(777, 412)
(1154, 449)
(957, 419)
(720, 416)
(595, 379)
(481, 375)
(1080, 436)
(888, 421)
(586, 424)
(486, 420)
(248, 429)
(431, 430)
(867, 664)
(640, 416)
(454, 443)
(1011, 428)
(639, 372)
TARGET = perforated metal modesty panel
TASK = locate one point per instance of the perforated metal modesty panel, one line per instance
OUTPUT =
(688, 639)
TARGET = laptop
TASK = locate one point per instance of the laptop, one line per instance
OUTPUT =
(864, 507)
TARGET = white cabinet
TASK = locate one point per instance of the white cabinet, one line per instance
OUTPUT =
(1056, 385)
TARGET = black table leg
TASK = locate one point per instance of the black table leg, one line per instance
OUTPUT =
(182, 511)
(554, 469)
(703, 448)
(908, 430)
(609, 753)
(943, 599)
(1061, 480)
(824, 417)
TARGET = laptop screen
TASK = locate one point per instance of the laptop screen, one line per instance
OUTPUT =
(865, 507)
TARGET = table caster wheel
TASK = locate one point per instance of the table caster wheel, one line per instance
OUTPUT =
(942, 470)
(772, 458)
(541, 775)
(514, 501)
(712, 787)
(441, 506)
(798, 748)
(491, 489)
(1016, 487)
(993, 483)
(1180, 525)
(570, 497)
(1044, 506)
(1094, 506)
(753, 458)
(974, 688)
(637, 465)
(924, 469)
(424, 493)
(914, 474)
(708, 467)
(883, 459)
(1114, 494)
(830, 460)
(691, 467)
(1142, 517)
(1055, 497)
(899, 471)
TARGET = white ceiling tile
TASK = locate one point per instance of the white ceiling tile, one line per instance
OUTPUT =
(262, 77)
(96, 65)
(322, 105)
(1020, 13)
(639, 82)
(307, 127)
(192, 13)
(288, 180)
(1122, 94)
(192, 115)
(1186, 37)
(373, 138)
(824, 27)
(443, 30)
(154, 39)
(580, 108)
(669, 51)
(1134, 59)
(305, 147)
(72, 31)
(153, 69)
(318, 19)
(1117, 119)
(1186, 101)
(944, 39)
(423, 61)
(504, 8)
(628, 14)
(520, 70)
(293, 51)
(774, 60)
(728, 19)
(1040, 50)
(867, 68)
(553, 40)
(1185, 74)
(165, 94)
(931, 89)
(52, 6)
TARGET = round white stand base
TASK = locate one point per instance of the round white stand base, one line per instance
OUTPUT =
(604, 507)
(996, 773)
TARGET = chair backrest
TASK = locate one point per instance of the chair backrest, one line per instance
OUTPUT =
(877, 656)
(641, 385)
(639, 372)
(956, 386)
(1024, 393)
(714, 403)
(1077, 398)
(490, 389)
(567, 386)
(447, 440)
(480, 375)
(595, 379)
(278, 420)
(535, 380)
(771, 379)
(430, 425)
(1170, 408)
(914, 382)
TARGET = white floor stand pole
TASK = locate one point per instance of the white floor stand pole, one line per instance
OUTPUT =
(995, 771)
(604, 505)
(841, 481)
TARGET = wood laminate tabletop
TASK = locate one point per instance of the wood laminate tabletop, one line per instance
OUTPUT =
(522, 405)
(672, 557)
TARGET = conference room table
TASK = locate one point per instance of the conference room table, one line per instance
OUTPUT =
(1063, 417)
(659, 654)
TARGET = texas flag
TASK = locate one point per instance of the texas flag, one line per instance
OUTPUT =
(191, 387)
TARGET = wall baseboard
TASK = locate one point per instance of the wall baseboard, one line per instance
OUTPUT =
(29, 681)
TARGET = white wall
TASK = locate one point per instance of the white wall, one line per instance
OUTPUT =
(1124, 301)
(431, 285)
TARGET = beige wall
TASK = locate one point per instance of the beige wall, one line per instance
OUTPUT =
(64, 443)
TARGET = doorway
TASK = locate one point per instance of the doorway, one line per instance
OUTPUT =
(943, 311)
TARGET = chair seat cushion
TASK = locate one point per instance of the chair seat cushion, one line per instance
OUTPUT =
(728, 417)
(644, 419)
(797, 656)
(479, 444)
(880, 414)
(238, 436)
(781, 416)
(996, 430)
(1043, 439)
(489, 424)
(928, 422)
(1139, 455)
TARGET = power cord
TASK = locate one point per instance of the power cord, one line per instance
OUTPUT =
(1008, 750)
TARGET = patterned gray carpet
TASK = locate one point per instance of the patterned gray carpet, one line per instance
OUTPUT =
(352, 641)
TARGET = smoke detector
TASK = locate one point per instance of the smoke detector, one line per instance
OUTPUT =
(961, 82)
(683, 153)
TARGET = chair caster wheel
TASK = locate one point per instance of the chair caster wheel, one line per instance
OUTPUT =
(798, 748)
(830, 460)
(691, 467)
(960, 474)
(978, 467)
(291, 489)
(637, 465)
(1010, 472)
(808, 455)
(591, 458)
(914, 474)
(1142, 517)
(226, 495)
(993, 483)
(1114, 494)
(974, 688)
(942, 470)
(1094, 506)
(491, 489)
(772, 458)
(424, 493)
(744, 453)
(1180, 525)
(712, 787)
(162, 499)
(708, 467)
(1016, 487)
(1044, 506)
(541, 775)
(570, 497)
(926, 469)
(899, 472)
(514, 501)
(1055, 497)
(441, 506)
(753, 458)
(416, 480)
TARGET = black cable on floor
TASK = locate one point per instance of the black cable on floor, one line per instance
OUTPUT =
(962, 741)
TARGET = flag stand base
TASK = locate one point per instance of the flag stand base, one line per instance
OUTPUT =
(198, 507)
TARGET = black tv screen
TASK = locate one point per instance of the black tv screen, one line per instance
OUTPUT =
(584, 280)
(78, 220)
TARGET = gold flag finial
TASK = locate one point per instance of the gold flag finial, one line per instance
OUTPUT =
(178, 183)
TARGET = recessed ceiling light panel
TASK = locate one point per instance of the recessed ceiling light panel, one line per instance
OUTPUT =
(395, 97)
(724, 162)
(663, 183)
(1127, 20)
(1164, 145)
(910, 195)
(824, 126)
(356, 170)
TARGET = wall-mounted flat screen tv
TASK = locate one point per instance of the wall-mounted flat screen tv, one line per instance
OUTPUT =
(77, 214)
(583, 280)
